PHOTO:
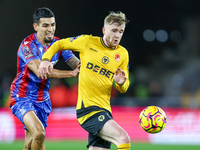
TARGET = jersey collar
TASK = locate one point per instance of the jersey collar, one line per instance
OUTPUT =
(102, 42)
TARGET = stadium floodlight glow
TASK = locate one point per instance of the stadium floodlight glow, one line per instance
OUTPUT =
(161, 35)
(149, 35)
(176, 36)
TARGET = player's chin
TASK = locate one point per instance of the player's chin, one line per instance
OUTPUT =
(48, 40)
(115, 44)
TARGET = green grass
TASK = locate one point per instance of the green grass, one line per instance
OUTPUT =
(72, 145)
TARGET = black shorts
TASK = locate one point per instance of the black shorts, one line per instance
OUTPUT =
(94, 124)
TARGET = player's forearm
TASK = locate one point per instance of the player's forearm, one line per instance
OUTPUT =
(55, 74)
(73, 62)
(53, 49)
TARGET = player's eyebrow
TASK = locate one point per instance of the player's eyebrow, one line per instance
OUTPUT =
(48, 23)
(45, 23)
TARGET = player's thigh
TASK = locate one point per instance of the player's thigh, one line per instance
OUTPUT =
(112, 132)
(32, 123)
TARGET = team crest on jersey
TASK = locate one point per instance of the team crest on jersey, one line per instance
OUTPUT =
(74, 38)
(117, 57)
(101, 117)
(105, 60)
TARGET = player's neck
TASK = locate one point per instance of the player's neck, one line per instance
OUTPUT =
(41, 40)
(106, 43)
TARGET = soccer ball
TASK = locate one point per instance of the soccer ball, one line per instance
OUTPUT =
(152, 119)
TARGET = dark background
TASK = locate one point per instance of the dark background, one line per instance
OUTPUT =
(149, 61)
(74, 17)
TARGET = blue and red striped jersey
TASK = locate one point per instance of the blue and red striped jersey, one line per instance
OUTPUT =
(26, 84)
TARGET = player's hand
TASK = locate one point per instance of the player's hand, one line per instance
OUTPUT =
(76, 71)
(120, 76)
(45, 68)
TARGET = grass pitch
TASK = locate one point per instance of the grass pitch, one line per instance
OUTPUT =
(74, 145)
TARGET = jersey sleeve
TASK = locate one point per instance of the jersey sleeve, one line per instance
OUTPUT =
(67, 54)
(74, 43)
(124, 67)
(27, 52)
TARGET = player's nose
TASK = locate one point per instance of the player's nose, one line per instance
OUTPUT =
(50, 28)
(117, 34)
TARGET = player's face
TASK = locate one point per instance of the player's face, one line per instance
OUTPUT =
(113, 34)
(45, 30)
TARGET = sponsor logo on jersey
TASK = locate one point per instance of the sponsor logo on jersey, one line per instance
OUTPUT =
(29, 55)
(105, 60)
(22, 111)
(74, 38)
(93, 49)
(26, 50)
(101, 71)
(101, 117)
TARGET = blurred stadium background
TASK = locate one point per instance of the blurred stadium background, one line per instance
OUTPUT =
(162, 38)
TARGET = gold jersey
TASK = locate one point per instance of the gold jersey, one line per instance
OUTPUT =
(98, 65)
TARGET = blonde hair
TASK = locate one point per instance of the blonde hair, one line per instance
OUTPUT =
(116, 17)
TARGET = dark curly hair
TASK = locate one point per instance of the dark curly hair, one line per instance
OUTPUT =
(42, 12)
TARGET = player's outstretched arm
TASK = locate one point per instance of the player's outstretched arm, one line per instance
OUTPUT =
(64, 73)
(34, 65)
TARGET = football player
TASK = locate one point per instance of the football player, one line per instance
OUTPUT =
(30, 101)
(103, 61)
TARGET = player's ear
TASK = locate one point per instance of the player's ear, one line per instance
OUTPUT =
(103, 30)
(35, 26)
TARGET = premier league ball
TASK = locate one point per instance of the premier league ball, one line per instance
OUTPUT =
(152, 119)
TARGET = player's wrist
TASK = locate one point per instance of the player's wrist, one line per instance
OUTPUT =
(45, 59)
(120, 84)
